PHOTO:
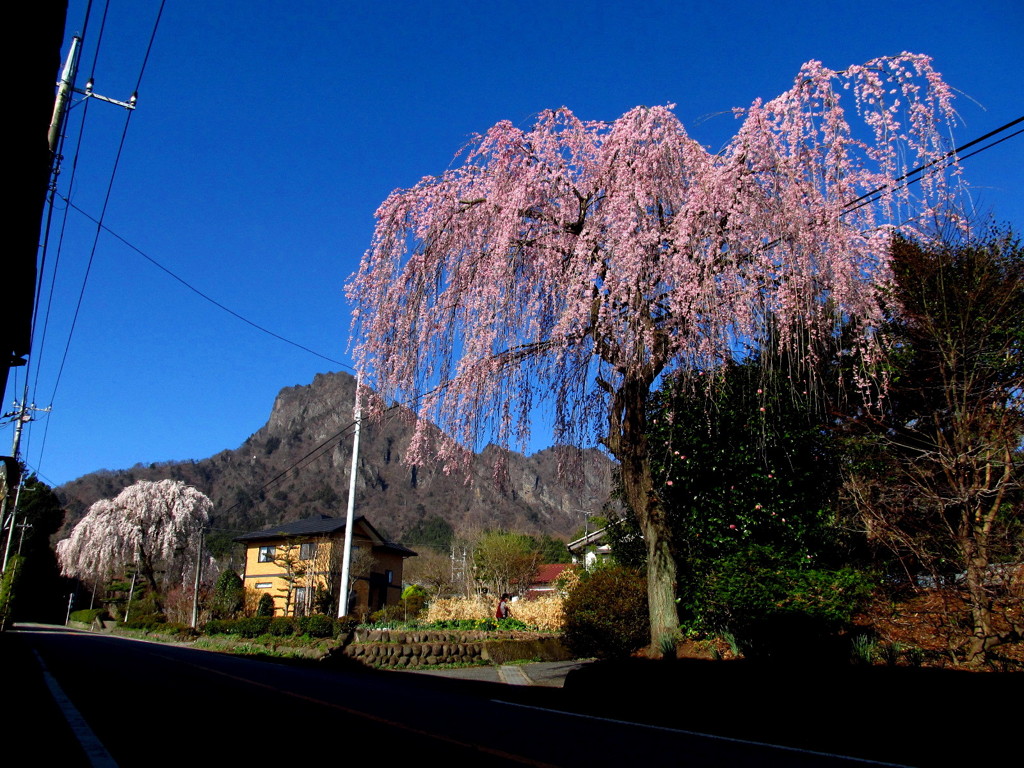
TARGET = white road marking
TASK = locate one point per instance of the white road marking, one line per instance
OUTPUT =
(712, 736)
(93, 747)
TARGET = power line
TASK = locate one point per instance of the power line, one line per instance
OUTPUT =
(106, 197)
(906, 179)
(317, 451)
(106, 200)
(937, 164)
(205, 296)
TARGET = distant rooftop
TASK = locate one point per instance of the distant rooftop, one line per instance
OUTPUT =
(318, 524)
(322, 525)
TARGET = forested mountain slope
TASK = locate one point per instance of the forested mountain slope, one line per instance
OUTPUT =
(306, 446)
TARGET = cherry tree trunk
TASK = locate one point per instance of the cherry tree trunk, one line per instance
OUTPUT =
(627, 440)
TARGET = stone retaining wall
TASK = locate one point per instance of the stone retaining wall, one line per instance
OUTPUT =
(385, 648)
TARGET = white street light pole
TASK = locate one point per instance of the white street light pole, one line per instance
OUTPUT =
(346, 560)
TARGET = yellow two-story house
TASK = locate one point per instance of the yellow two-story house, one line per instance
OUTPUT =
(299, 565)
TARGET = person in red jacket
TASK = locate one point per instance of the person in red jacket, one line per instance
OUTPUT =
(503, 611)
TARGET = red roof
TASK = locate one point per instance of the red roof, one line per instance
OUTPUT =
(549, 572)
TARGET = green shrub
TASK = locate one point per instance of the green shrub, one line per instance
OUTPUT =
(281, 627)
(88, 615)
(346, 624)
(8, 589)
(317, 626)
(228, 596)
(776, 609)
(265, 607)
(181, 631)
(388, 613)
(252, 626)
(323, 601)
(220, 627)
(145, 621)
(414, 600)
(606, 613)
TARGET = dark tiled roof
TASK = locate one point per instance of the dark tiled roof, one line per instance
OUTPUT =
(318, 524)
(323, 525)
(398, 549)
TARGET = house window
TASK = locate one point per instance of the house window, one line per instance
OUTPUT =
(307, 550)
(263, 585)
(301, 596)
(390, 576)
(267, 554)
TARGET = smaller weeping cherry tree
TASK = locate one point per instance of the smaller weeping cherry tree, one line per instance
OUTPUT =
(582, 261)
(157, 526)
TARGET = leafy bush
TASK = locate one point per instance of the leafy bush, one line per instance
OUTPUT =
(265, 607)
(8, 589)
(606, 613)
(219, 627)
(145, 621)
(228, 596)
(87, 615)
(414, 599)
(388, 613)
(281, 626)
(252, 626)
(346, 624)
(775, 608)
(174, 629)
(311, 626)
(317, 625)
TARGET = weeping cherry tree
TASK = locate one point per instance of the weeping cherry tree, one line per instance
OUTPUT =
(156, 525)
(580, 261)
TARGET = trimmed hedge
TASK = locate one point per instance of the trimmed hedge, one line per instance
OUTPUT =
(255, 626)
(88, 615)
(606, 613)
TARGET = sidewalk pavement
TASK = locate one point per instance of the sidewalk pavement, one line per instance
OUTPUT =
(549, 674)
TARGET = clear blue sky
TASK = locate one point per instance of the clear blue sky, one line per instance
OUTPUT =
(267, 134)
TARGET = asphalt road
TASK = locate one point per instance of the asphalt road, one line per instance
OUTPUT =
(147, 704)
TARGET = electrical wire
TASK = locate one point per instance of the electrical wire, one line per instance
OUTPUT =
(851, 206)
(110, 185)
(35, 360)
(315, 453)
(205, 296)
(320, 449)
(937, 165)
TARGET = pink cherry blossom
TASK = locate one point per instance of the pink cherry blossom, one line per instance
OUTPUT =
(154, 524)
(579, 261)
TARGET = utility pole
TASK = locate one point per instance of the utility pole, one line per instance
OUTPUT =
(66, 87)
(346, 559)
(195, 587)
(64, 90)
(131, 594)
(22, 417)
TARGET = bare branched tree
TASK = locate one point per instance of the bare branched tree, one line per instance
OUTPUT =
(937, 477)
